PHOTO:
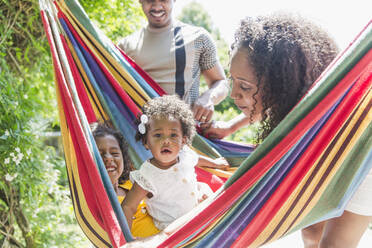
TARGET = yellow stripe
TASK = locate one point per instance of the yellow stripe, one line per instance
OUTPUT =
(96, 104)
(73, 174)
(305, 196)
(221, 173)
(204, 232)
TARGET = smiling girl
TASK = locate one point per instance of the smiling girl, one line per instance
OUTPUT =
(114, 152)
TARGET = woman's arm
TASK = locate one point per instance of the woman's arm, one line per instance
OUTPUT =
(218, 163)
(131, 201)
(221, 129)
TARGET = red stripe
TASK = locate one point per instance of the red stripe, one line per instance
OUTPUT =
(94, 191)
(90, 179)
(117, 87)
(84, 99)
(212, 180)
(101, 201)
(309, 157)
(57, 68)
(239, 187)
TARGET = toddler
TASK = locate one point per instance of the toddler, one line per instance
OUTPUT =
(167, 181)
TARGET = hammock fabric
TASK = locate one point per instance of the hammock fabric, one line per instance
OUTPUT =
(303, 173)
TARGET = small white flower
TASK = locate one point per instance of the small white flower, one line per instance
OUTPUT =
(6, 161)
(144, 119)
(25, 96)
(20, 156)
(16, 104)
(28, 152)
(17, 149)
(10, 178)
(7, 133)
(142, 128)
(12, 154)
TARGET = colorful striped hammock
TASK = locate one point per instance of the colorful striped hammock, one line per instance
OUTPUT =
(303, 173)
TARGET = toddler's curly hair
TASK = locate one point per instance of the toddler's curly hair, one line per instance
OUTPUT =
(288, 53)
(169, 106)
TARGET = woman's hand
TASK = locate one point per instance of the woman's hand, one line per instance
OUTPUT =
(216, 129)
(218, 163)
(221, 163)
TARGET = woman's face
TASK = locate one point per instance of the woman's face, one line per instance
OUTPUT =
(112, 156)
(245, 93)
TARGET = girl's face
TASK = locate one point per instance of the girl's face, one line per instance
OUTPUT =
(165, 140)
(245, 93)
(112, 157)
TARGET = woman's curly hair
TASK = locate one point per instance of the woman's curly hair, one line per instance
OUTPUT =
(169, 106)
(104, 129)
(288, 54)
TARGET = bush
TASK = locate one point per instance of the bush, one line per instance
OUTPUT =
(35, 206)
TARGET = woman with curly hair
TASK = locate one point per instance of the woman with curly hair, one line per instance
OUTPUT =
(274, 61)
(167, 181)
(280, 56)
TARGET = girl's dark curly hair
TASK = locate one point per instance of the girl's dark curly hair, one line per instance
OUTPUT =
(288, 54)
(104, 129)
(169, 106)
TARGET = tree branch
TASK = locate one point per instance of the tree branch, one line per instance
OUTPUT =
(11, 239)
(23, 222)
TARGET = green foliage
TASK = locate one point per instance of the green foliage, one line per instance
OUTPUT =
(34, 198)
(195, 14)
(116, 18)
(35, 206)
(246, 134)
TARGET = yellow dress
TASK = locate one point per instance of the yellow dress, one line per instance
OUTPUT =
(143, 225)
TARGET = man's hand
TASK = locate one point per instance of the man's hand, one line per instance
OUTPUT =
(203, 113)
(218, 89)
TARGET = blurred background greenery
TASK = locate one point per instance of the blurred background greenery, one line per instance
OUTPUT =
(35, 204)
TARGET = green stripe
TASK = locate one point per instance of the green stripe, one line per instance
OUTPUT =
(341, 180)
(329, 81)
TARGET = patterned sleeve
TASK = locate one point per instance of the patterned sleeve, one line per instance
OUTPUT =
(208, 56)
(139, 176)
